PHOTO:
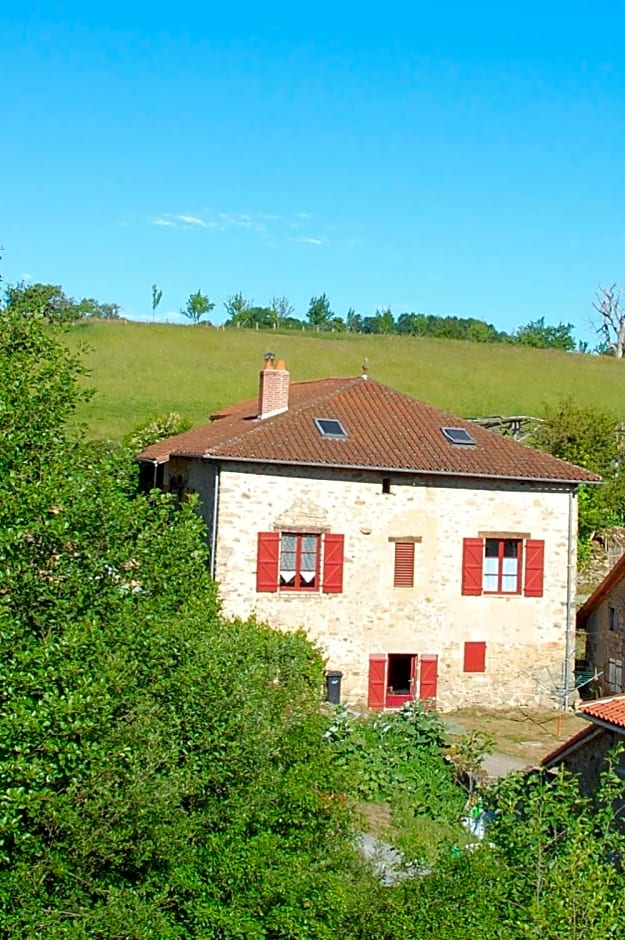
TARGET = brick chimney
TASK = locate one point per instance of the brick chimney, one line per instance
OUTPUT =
(273, 391)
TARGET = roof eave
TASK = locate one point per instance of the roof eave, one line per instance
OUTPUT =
(551, 481)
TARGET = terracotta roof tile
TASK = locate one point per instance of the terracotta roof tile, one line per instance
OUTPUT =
(610, 710)
(387, 430)
(570, 745)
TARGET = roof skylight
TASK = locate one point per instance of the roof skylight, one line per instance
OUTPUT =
(458, 436)
(330, 427)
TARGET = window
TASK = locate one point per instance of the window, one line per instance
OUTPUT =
(503, 565)
(404, 564)
(386, 485)
(612, 619)
(501, 573)
(458, 436)
(474, 656)
(615, 675)
(299, 561)
(330, 427)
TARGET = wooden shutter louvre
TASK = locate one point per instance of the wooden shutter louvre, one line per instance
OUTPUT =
(332, 582)
(472, 565)
(474, 656)
(267, 561)
(534, 567)
(404, 564)
(377, 681)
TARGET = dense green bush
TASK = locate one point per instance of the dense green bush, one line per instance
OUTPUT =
(163, 773)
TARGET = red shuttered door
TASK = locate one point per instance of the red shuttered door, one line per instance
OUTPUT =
(534, 567)
(333, 564)
(428, 676)
(472, 561)
(267, 561)
(377, 681)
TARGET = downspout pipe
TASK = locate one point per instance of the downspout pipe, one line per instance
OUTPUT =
(213, 544)
(571, 581)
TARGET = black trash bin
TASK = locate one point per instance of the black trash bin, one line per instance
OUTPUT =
(333, 686)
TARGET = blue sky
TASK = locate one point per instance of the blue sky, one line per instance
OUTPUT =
(458, 159)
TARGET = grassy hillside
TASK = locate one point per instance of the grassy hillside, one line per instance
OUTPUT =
(140, 370)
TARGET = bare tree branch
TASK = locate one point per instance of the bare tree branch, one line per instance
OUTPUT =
(610, 307)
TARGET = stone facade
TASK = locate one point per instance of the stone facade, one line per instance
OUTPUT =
(605, 639)
(525, 637)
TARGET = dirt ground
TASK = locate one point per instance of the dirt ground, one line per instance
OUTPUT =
(519, 732)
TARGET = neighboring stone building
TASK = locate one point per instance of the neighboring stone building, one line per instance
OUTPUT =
(428, 557)
(588, 751)
(602, 621)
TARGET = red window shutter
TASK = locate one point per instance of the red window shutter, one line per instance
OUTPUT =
(475, 657)
(333, 564)
(404, 564)
(377, 680)
(472, 562)
(534, 567)
(267, 561)
(428, 676)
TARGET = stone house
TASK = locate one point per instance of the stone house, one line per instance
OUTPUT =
(587, 752)
(428, 557)
(601, 622)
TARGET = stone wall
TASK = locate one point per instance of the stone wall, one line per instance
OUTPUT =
(525, 636)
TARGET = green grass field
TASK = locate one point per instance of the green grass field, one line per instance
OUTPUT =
(141, 370)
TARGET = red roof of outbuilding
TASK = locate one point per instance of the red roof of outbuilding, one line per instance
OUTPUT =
(386, 430)
(609, 710)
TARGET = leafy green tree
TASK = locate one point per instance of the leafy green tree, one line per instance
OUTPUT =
(197, 306)
(587, 436)
(89, 307)
(385, 320)
(163, 773)
(319, 313)
(157, 296)
(353, 321)
(238, 310)
(43, 300)
(542, 336)
(50, 301)
(281, 309)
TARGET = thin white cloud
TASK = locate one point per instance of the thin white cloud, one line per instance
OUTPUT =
(191, 220)
(310, 240)
(352, 242)
(271, 227)
(26, 276)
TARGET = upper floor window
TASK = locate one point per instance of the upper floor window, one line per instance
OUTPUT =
(503, 565)
(403, 575)
(300, 561)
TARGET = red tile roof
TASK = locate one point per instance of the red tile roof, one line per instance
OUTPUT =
(609, 710)
(571, 745)
(387, 430)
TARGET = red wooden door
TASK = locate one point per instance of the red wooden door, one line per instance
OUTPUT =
(401, 673)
